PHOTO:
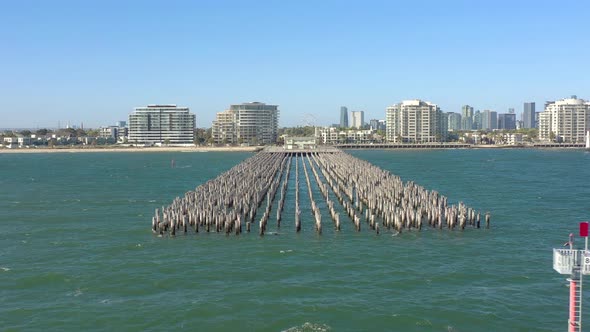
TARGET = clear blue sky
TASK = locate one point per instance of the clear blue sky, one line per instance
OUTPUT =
(93, 61)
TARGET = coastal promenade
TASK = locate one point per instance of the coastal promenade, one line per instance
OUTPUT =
(321, 148)
(458, 146)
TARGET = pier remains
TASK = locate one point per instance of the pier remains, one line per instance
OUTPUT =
(350, 191)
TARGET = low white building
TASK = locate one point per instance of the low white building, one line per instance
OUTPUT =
(332, 135)
(302, 143)
(513, 139)
(10, 142)
(18, 141)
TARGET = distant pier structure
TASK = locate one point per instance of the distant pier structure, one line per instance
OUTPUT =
(343, 192)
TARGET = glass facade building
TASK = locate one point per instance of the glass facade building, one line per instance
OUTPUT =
(343, 117)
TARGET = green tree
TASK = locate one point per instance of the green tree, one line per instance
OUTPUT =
(25, 133)
(42, 132)
(80, 132)
(92, 133)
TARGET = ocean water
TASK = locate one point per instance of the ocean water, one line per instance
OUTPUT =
(77, 252)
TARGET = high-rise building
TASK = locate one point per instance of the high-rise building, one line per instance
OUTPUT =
(377, 124)
(467, 117)
(343, 117)
(454, 120)
(415, 121)
(489, 120)
(157, 124)
(528, 115)
(507, 121)
(253, 123)
(565, 120)
(223, 129)
(358, 119)
(477, 120)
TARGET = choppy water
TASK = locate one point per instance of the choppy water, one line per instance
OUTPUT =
(77, 252)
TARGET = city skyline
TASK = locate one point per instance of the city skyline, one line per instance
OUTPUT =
(66, 64)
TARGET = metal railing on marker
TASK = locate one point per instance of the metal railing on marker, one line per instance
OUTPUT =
(576, 263)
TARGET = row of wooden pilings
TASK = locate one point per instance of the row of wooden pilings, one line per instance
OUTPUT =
(363, 192)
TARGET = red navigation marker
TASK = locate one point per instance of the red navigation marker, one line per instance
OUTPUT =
(584, 229)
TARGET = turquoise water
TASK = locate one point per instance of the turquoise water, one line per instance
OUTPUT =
(77, 252)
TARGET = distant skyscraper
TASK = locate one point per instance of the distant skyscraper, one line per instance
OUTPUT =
(343, 117)
(377, 124)
(358, 119)
(467, 117)
(477, 119)
(507, 121)
(489, 120)
(528, 115)
(454, 121)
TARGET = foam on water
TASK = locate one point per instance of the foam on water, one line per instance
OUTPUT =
(309, 327)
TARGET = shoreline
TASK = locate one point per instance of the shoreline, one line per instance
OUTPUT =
(259, 148)
(132, 149)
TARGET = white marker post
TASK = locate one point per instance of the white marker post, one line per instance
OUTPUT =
(576, 263)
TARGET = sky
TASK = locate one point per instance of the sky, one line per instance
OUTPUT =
(92, 62)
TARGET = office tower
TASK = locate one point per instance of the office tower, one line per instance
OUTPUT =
(477, 120)
(467, 117)
(376, 124)
(454, 120)
(528, 115)
(358, 119)
(489, 120)
(343, 117)
(507, 121)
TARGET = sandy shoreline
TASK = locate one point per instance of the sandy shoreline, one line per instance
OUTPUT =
(132, 149)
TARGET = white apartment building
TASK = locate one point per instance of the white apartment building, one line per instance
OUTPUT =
(331, 135)
(253, 123)
(565, 120)
(415, 121)
(357, 119)
(158, 124)
(223, 129)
